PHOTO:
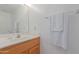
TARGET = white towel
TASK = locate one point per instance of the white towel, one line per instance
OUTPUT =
(57, 22)
(60, 38)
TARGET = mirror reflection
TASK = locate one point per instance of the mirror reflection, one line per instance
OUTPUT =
(13, 18)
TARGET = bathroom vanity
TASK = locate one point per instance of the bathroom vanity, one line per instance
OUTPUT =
(31, 46)
(18, 35)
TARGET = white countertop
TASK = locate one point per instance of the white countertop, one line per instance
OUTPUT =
(5, 42)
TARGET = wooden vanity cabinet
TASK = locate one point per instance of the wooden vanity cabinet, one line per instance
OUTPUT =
(27, 47)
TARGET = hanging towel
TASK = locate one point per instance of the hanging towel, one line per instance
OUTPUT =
(57, 22)
(58, 38)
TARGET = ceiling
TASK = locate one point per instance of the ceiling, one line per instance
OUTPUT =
(48, 9)
(9, 7)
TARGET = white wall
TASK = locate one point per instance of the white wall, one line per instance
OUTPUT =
(38, 11)
(47, 10)
(5, 23)
(74, 34)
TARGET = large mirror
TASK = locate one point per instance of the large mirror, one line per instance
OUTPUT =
(14, 18)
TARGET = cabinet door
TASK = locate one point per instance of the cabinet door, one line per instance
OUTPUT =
(34, 50)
